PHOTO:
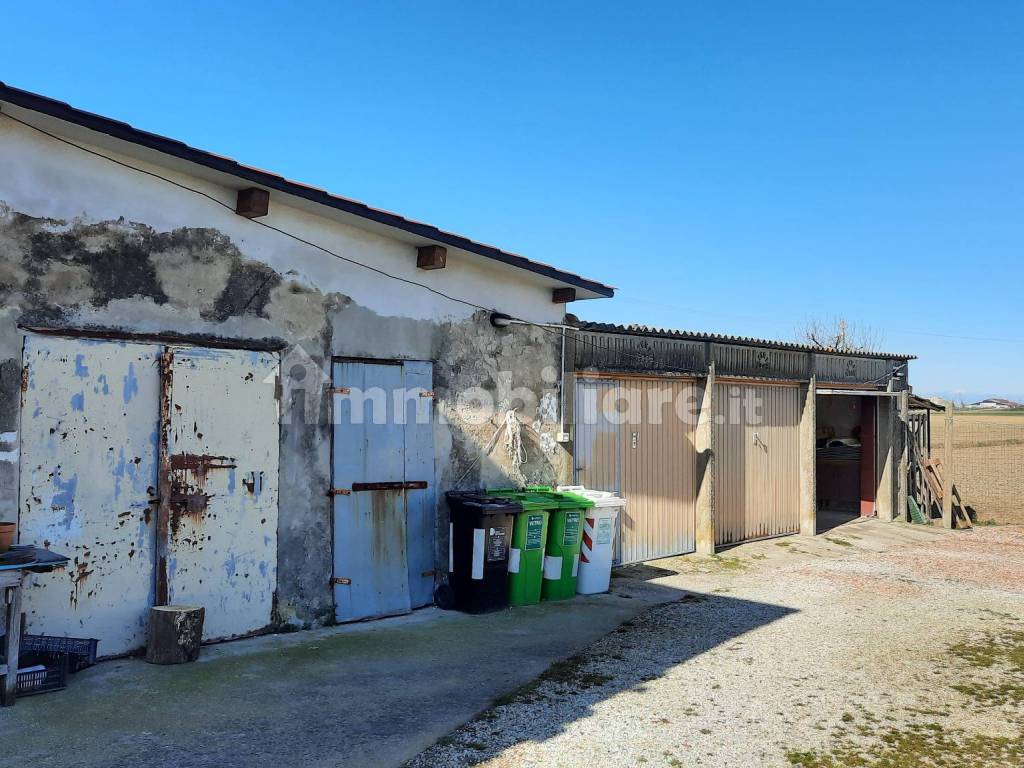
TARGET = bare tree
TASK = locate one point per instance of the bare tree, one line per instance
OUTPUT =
(840, 335)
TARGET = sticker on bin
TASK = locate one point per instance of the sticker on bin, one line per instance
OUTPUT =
(535, 531)
(572, 528)
(513, 560)
(497, 545)
(604, 530)
(552, 568)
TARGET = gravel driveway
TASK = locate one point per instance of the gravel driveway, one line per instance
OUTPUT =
(877, 644)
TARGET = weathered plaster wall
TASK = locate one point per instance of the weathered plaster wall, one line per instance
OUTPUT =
(86, 243)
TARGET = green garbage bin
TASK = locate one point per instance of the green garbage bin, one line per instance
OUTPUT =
(562, 553)
(529, 536)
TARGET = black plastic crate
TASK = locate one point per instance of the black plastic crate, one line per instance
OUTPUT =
(53, 676)
(81, 651)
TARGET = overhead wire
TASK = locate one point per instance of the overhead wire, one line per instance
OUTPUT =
(354, 262)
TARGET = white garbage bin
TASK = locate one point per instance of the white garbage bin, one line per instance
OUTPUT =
(598, 538)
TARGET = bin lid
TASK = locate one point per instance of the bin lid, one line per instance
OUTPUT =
(571, 500)
(543, 497)
(531, 501)
(484, 502)
(600, 498)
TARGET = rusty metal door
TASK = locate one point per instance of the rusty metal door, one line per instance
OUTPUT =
(635, 437)
(757, 461)
(218, 490)
(383, 488)
(88, 473)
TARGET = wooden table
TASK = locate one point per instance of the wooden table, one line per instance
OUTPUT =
(11, 580)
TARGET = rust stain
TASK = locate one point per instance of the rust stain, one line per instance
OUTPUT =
(188, 474)
(78, 578)
(383, 506)
(161, 581)
(164, 489)
(199, 464)
(252, 482)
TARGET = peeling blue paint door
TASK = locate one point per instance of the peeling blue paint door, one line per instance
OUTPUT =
(88, 474)
(222, 431)
(383, 479)
(90, 458)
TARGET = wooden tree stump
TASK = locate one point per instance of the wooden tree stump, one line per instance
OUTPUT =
(175, 633)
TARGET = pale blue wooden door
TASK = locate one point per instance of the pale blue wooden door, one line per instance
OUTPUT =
(383, 489)
(419, 467)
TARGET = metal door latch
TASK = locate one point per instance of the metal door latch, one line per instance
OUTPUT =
(636, 438)
(340, 581)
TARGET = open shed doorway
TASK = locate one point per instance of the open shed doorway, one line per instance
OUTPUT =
(845, 459)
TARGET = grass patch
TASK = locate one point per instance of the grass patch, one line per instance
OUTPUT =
(1002, 654)
(1005, 647)
(569, 674)
(783, 544)
(918, 745)
(731, 564)
(837, 541)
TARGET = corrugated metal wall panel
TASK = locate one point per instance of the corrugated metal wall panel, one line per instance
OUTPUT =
(757, 455)
(609, 351)
(596, 445)
(733, 360)
(652, 462)
(852, 370)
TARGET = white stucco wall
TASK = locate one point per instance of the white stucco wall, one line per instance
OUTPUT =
(42, 177)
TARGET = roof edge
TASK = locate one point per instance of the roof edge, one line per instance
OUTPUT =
(665, 333)
(123, 131)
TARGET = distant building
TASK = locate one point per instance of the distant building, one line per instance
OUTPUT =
(994, 403)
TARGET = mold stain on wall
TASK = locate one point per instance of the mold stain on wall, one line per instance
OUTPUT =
(127, 277)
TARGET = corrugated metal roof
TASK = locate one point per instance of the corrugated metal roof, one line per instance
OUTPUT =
(635, 329)
(125, 132)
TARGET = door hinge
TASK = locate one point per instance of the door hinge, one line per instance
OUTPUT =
(340, 581)
(425, 574)
(341, 391)
(339, 492)
(429, 393)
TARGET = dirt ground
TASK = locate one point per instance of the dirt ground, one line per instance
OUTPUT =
(874, 645)
(988, 462)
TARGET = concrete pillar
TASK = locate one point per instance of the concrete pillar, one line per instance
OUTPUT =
(947, 470)
(903, 479)
(887, 458)
(704, 443)
(809, 459)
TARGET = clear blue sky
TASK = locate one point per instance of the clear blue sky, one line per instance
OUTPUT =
(735, 167)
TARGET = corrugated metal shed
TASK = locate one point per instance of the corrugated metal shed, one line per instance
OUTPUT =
(636, 348)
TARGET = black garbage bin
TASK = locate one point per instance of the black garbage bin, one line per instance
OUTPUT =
(481, 534)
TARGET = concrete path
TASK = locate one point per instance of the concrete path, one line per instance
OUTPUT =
(364, 695)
